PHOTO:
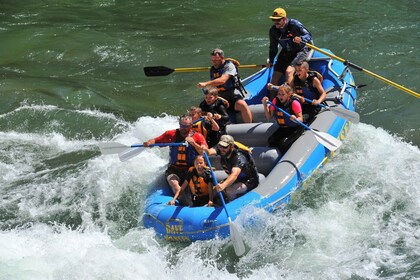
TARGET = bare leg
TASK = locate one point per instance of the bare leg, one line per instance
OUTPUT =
(242, 107)
(173, 181)
(290, 71)
(234, 190)
(275, 81)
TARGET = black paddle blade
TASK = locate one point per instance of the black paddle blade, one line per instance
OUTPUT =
(154, 71)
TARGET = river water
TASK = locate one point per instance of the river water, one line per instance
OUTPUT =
(71, 76)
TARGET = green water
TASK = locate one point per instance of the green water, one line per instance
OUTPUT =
(91, 54)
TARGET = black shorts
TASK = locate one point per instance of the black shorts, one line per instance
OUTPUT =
(309, 112)
(286, 59)
(251, 183)
(231, 96)
(186, 198)
(284, 137)
(181, 173)
(199, 200)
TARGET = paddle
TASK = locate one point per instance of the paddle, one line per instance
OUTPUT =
(357, 67)
(153, 71)
(328, 141)
(108, 148)
(341, 112)
(235, 233)
(126, 152)
(351, 116)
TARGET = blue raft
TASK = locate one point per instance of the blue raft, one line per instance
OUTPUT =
(281, 175)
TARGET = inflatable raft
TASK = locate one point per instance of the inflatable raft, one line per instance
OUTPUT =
(280, 174)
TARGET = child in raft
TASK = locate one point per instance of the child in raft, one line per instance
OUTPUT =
(288, 130)
(199, 181)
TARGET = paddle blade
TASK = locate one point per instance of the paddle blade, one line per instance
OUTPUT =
(153, 71)
(236, 237)
(346, 114)
(130, 153)
(109, 148)
(328, 141)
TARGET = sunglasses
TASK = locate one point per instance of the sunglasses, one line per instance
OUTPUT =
(184, 126)
(277, 21)
(223, 147)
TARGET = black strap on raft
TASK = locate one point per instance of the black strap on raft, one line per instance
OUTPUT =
(237, 80)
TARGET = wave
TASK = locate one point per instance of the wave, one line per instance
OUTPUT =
(80, 211)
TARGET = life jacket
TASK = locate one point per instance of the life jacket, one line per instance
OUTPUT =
(182, 156)
(281, 119)
(214, 108)
(225, 102)
(197, 183)
(306, 88)
(200, 128)
(287, 34)
(233, 82)
(249, 170)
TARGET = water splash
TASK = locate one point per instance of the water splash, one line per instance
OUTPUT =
(358, 216)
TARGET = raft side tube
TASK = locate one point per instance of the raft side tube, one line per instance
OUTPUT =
(265, 159)
(257, 111)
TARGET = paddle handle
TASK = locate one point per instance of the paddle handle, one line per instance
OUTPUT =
(357, 67)
(306, 99)
(288, 115)
(320, 105)
(199, 120)
(216, 183)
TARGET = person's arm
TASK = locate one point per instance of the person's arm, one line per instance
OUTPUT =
(317, 84)
(222, 112)
(198, 142)
(166, 137)
(212, 121)
(210, 151)
(303, 33)
(149, 142)
(297, 111)
(230, 179)
(210, 203)
(183, 186)
(267, 112)
(216, 82)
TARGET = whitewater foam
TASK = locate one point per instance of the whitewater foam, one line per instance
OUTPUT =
(357, 216)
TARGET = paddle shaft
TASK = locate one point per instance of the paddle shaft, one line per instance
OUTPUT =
(341, 112)
(288, 115)
(235, 234)
(157, 145)
(325, 139)
(216, 183)
(357, 67)
(154, 71)
(198, 69)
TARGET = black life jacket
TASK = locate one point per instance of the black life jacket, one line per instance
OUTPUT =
(214, 108)
(234, 82)
(249, 170)
(282, 120)
(306, 88)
